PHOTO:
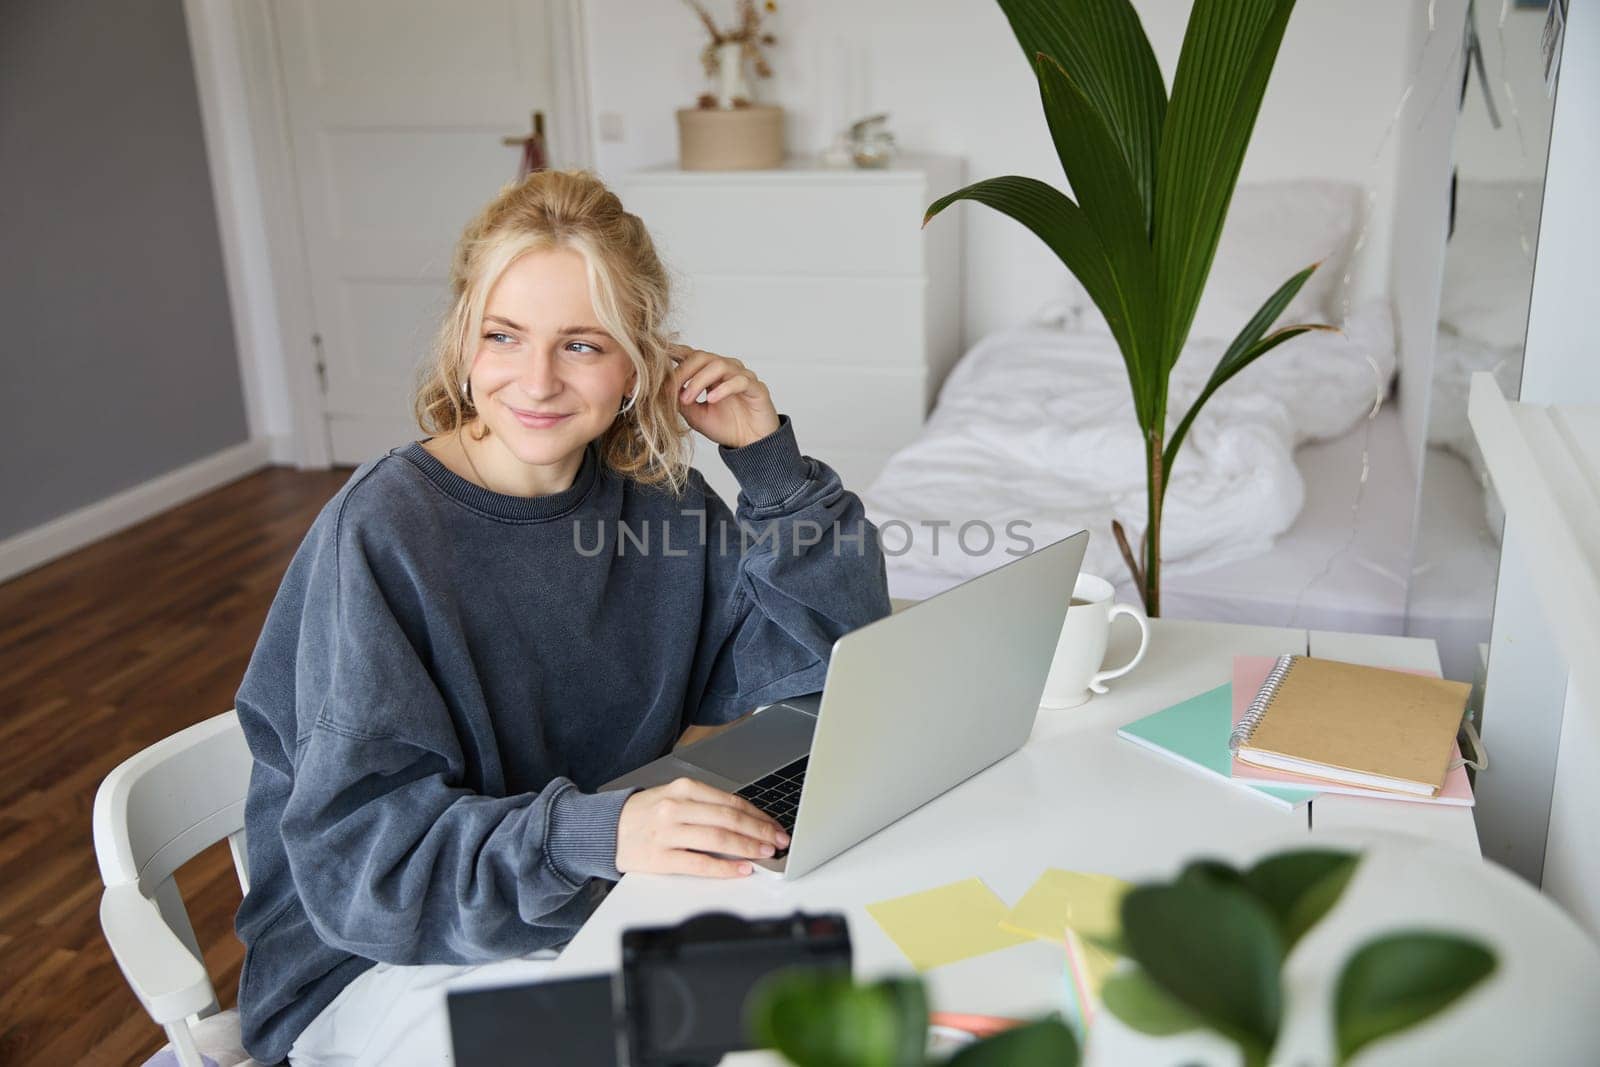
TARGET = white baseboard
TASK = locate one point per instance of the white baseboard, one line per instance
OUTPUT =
(31, 548)
(281, 450)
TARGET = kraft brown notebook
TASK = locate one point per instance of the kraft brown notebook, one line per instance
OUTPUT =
(1343, 722)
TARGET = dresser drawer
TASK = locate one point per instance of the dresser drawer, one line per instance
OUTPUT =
(773, 227)
(808, 320)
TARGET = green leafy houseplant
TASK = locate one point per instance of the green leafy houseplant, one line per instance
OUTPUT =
(1206, 950)
(820, 1019)
(1210, 947)
(1153, 178)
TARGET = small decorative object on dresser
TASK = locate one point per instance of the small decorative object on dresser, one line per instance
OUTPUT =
(816, 278)
(727, 129)
(871, 143)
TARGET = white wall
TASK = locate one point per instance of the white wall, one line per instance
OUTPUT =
(1525, 692)
(954, 80)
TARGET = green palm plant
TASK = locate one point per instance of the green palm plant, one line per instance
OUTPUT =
(1153, 178)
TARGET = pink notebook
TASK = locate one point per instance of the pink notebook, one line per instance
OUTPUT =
(1249, 673)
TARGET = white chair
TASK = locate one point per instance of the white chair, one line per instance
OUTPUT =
(152, 814)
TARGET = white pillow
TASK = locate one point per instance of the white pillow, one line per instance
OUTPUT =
(1273, 230)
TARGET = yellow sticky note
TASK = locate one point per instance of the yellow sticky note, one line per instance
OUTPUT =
(939, 926)
(1088, 903)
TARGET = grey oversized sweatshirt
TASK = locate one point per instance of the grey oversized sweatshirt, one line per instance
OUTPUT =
(447, 674)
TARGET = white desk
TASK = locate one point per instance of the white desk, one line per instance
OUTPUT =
(1075, 796)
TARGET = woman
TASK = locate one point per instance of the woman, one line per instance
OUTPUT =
(483, 626)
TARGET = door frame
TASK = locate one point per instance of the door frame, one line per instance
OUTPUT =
(244, 113)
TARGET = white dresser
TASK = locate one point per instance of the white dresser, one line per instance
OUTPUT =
(824, 282)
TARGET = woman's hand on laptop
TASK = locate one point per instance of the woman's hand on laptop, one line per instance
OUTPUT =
(671, 828)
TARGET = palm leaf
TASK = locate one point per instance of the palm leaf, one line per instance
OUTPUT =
(1102, 45)
(1227, 58)
(1246, 348)
(1108, 197)
(1249, 356)
(1154, 177)
(1064, 228)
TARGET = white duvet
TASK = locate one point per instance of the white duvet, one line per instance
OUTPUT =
(1033, 438)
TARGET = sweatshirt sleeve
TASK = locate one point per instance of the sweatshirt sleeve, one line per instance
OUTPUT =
(795, 568)
(395, 856)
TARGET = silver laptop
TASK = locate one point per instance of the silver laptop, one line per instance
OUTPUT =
(913, 704)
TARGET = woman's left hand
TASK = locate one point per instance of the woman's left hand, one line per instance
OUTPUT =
(738, 408)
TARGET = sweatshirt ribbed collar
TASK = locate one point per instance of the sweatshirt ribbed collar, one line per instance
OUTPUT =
(501, 505)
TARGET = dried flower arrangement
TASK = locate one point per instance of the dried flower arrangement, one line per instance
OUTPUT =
(747, 33)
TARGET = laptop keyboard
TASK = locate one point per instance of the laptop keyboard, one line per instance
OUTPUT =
(778, 794)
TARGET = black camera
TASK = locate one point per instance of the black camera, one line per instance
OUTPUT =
(679, 1000)
(684, 986)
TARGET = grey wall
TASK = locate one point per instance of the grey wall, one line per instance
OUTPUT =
(117, 358)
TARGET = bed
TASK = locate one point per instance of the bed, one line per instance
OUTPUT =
(1033, 437)
(1245, 539)
(1293, 502)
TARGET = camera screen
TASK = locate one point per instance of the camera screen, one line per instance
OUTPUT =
(568, 1021)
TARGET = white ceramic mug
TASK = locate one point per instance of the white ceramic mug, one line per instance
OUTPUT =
(1075, 671)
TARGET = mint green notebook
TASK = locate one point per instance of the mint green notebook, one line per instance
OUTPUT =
(1196, 732)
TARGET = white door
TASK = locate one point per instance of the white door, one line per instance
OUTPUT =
(396, 111)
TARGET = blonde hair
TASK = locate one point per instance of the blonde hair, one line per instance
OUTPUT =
(630, 289)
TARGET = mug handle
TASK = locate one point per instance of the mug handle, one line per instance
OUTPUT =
(1095, 683)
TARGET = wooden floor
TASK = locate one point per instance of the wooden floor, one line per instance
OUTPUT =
(102, 653)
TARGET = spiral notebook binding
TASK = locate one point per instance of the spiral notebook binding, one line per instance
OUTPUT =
(1263, 700)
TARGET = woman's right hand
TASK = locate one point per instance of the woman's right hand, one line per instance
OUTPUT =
(669, 830)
